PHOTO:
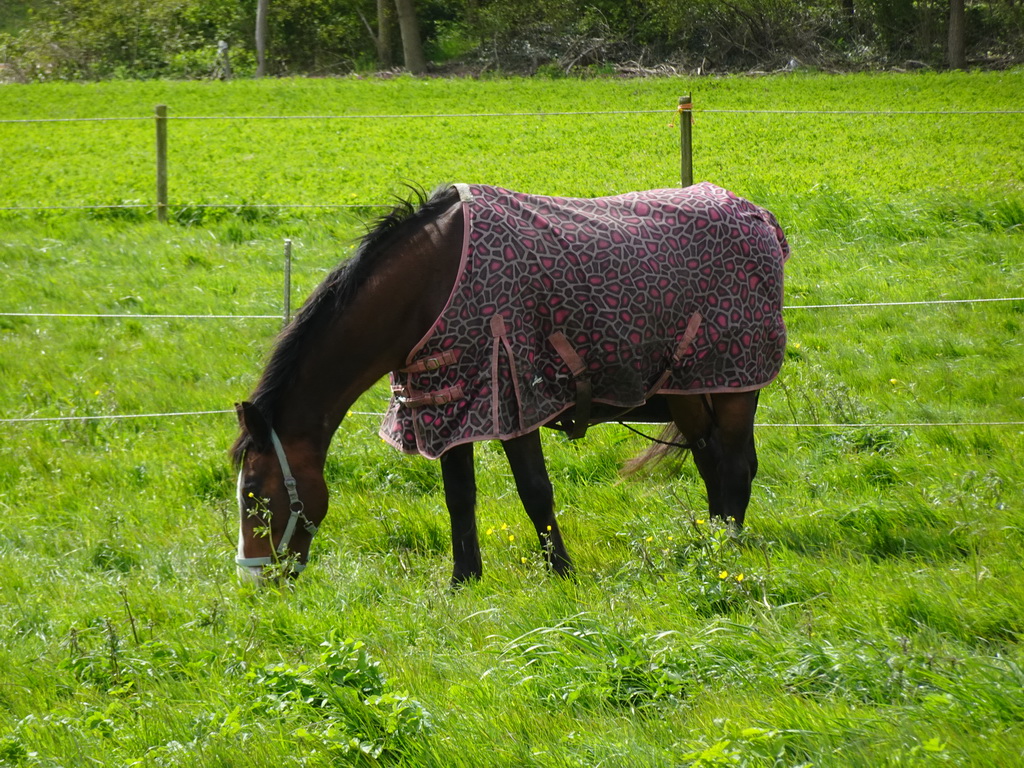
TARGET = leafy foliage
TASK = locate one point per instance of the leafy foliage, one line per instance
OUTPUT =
(341, 703)
(96, 39)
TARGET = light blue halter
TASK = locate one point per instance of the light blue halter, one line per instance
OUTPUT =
(296, 508)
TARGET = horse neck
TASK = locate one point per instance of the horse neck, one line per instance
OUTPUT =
(374, 335)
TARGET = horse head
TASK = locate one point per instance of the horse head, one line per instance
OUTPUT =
(282, 498)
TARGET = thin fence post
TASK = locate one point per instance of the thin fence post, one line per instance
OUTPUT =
(161, 162)
(686, 140)
(287, 281)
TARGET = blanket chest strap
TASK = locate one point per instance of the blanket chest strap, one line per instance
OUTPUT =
(432, 363)
(440, 397)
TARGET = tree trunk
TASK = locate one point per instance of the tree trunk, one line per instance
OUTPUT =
(955, 56)
(412, 45)
(385, 29)
(262, 6)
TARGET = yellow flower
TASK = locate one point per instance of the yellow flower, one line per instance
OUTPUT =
(739, 577)
(522, 560)
(700, 522)
(549, 529)
(723, 574)
(511, 538)
(490, 531)
(649, 539)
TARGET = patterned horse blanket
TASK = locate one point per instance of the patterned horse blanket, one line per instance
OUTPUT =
(670, 291)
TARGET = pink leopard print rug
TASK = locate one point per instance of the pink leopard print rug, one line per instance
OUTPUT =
(668, 291)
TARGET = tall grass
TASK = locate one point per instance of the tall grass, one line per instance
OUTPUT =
(869, 615)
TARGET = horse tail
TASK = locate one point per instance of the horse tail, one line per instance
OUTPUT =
(670, 441)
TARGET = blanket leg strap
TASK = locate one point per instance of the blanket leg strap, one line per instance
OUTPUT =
(576, 427)
(681, 349)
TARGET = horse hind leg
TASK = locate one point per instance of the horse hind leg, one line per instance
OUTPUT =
(526, 459)
(721, 436)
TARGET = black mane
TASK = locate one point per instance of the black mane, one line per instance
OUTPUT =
(335, 294)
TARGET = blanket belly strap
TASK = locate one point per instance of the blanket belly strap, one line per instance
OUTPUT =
(576, 427)
(440, 397)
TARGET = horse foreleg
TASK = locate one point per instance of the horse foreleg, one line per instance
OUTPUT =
(526, 458)
(459, 477)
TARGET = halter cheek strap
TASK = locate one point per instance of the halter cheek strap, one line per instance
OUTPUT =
(295, 507)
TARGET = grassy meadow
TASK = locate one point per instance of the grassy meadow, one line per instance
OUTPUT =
(871, 613)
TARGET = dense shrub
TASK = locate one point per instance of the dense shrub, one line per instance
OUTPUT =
(94, 39)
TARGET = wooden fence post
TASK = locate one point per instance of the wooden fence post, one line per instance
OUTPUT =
(686, 140)
(161, 163)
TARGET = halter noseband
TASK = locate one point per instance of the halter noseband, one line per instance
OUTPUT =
(296, 509)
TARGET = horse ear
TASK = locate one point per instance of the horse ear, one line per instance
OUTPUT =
(253, 423)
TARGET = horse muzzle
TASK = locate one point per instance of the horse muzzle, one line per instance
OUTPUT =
(265, 570)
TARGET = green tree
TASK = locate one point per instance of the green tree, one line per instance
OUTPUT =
(95, 39)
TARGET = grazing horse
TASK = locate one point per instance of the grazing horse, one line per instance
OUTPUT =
(496, 313)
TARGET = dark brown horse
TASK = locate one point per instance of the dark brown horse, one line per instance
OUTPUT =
(395, 307)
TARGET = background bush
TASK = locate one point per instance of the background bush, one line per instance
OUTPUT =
(97, 39)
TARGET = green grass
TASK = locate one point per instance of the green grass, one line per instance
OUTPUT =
(365, 161)
(881, 605)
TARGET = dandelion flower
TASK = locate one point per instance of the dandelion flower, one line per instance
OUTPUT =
(723, 574)
(649, 539)
(739, 577)
(511, 538)
(522, 560)
(490, 531)
(700, 522)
